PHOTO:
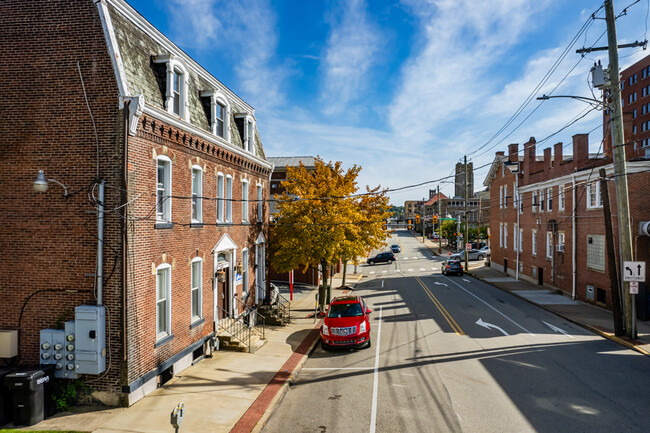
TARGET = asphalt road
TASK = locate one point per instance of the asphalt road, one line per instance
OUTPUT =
(454, 354)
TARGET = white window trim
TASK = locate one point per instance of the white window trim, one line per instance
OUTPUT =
(260, 202)
(549, 199)
(505, 235)
(521, 240)
(217, 96)
(542, 198)
(535, 202)
(167, 269)
(534, 242)
(549, 245)
(198, 287)
(561, 197)
(515, 240)
(221, 195)
(229, 182)
(197, 196)
(505, 196)
(173, 65)
(245, 260)
(501, 235)
(599, 203)
(166, 215)
(244, 200)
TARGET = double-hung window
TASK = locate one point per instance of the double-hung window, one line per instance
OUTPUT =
(521, 240)
(164, 189)
(501, 235)
(177, 88)
(176, 79)
(549, 245)
(515, 240)
(244, 262)
(505, 235)
(228, 199)
(593, 195)
(535, 202)
(560, 197)
(197, 194)
(541, 200)
(219, 119)
(505, 196)
(196, 288)
(549, 199)
(163, 303)
(220, 198)
(533, 244)
(244, 200)
(260, 204)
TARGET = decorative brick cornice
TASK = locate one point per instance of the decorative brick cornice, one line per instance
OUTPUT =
(160, 133)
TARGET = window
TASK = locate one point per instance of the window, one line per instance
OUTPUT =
(244, 262)
(197, 194)
(560, 241)
(593, 195)
(533, 243)
(196, 289)
(549, 245)
(219, 117)
(535, 203)
(220, 197)
(501, 235)
(260, 203)
(163, 305)
(560, 197)
(244, 200)
(549, 199)
(250, 136)
(505, 196)
(505, 235)
(217, 109)
(541, 200)
(633, 129)
(596, 252)
(515, 241)
(228, 199)
(521, 202)
(521, 240)
(164, 190)
(501, 197)
(176, 83)
(634, 112)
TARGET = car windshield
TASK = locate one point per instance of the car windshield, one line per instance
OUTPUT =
(345, 310)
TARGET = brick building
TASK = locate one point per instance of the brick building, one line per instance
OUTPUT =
(546, 217)
(93, 94)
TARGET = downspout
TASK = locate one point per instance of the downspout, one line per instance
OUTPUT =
(100, 245)
(573, 236)
(518, 232)
(125, 226)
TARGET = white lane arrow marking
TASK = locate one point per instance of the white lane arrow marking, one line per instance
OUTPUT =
(486, 325)
(440, 284)
(467, 281)
(556, 329)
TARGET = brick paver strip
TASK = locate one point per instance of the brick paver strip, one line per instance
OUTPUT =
(250, 418)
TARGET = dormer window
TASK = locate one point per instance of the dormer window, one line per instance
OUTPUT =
(175, 86)
(218, 113)
(246, 126)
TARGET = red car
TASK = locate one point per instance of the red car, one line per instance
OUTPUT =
(346, 323)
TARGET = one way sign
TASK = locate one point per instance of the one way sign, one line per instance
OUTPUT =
(634, 271)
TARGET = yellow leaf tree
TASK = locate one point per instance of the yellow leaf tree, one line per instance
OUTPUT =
(318, 220)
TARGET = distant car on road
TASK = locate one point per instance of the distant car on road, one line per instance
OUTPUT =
(473, 255)
(346, 323)
(452, 267)
(395, 248)
(382, 258)
(485, 250)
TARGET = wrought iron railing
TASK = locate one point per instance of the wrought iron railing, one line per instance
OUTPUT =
(241, 327)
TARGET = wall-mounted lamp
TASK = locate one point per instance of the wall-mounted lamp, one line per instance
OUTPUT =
(40, 184)
(239, 268)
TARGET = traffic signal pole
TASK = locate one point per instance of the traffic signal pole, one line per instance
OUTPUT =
(466, 240)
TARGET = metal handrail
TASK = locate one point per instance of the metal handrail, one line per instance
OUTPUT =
(242, 331)
(282, 304)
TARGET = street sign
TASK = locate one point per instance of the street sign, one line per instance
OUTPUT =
(634, 271)
(634, 287)
(468, 246)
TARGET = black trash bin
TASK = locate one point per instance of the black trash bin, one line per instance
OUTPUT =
(5, 396)
(27, 389)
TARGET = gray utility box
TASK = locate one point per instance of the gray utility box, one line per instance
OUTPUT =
(90, 337)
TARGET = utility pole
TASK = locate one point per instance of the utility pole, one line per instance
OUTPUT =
(466, 240)
(439, 224)
(620, 169)
(611, 256)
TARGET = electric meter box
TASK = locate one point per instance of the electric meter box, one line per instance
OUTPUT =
(52, 347)
(69, 370)
(90, 339)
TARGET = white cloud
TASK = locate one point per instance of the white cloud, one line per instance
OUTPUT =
(351, 51)
(247, 30)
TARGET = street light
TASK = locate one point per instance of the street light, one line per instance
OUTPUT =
(40, 184)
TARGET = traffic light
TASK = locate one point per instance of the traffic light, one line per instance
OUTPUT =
(417, 219)
(409, 223)
(435, 219)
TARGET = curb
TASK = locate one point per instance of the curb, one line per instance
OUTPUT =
(588, 327)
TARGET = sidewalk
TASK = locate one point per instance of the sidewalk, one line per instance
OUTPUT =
(596, 319)
(230, 392)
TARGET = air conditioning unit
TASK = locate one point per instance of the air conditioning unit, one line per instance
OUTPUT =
(559, 248)
(644, 228)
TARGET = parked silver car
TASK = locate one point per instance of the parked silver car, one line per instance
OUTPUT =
(473, 255)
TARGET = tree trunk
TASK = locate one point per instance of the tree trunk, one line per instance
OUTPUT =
(322, 287)
(345, 268)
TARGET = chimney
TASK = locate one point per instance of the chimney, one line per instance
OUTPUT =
(580, 151)
(529, 158)
(557, 155)
(548, 159)
(513, 152)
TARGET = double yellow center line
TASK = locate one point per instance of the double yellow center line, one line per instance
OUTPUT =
(442, 309)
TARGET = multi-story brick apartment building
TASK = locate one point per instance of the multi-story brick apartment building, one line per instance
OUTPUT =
(310, 275)
(94, 94)
(546, 217)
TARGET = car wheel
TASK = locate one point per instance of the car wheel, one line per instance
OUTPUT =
(371, 262)
(479, 257)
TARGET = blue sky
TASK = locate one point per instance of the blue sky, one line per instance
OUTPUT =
(403, 88)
